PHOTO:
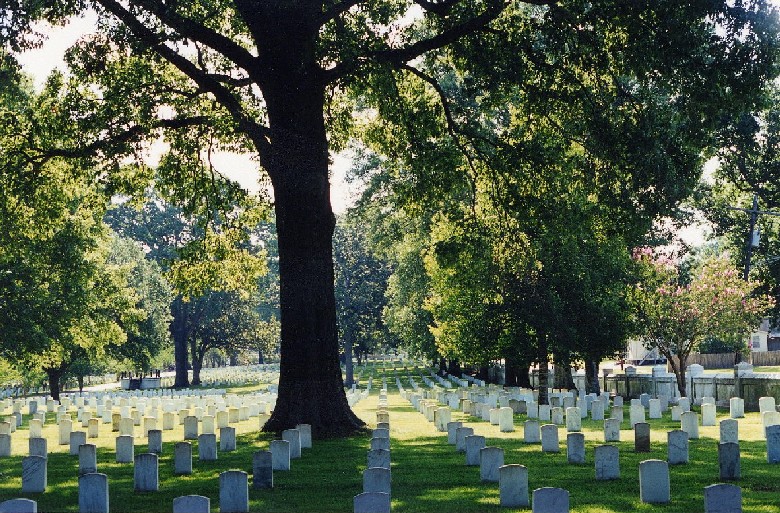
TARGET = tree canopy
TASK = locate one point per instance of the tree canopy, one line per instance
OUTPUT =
(635, 87)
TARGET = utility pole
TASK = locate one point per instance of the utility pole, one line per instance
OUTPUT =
(752, 242)
(752, 236)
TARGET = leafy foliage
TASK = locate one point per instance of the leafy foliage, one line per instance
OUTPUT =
(676, 317)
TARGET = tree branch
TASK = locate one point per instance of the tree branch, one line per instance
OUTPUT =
(130, 135)
(398, 56)
(199, 33)
(438, 8)
(257, 133)
(336, 10)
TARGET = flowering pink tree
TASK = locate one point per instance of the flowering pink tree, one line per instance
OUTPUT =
(675, 317)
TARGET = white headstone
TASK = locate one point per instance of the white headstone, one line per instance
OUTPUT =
(371, 502)
(207, 447)
(294, 437)
(677, 447)
(125, 450)
(474, 444)
(280, 451)
(93, 493)
(87, 459)
(233, 492)
(689, 422)
(729, 431)
(550, 500)
(708, 414)
(34, 474)
(612, 430)
(607, 462)
(654, 486)
(191, 504)
(550, 438)
(376, 479)
(145, 473)
(19, 506)
(513, 486)
(182, 458)
(262, 470)
(729, 461)
(722, 498)
(531, 433)
(490, 460)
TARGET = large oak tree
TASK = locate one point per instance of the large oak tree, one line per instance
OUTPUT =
(267, 75)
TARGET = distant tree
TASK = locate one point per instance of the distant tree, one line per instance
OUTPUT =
(361, 282)
(155, 296)
(198, 260)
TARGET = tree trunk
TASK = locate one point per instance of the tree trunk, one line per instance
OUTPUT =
(544, 370)
(511, 371)
(562, 372)
(678, 367)
(197, 355)
(311, 389)
(260, 359)
(54, 376)
(348, 367)
(592, 385)
(180, 349)
(197, 364)
(454, 368)
(523, 378)
(442, 366)
(80, 380)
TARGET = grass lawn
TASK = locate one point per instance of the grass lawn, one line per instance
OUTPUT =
(428, 475)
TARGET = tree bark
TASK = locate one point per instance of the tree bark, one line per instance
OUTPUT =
(544, 370)
(80, 380)
(592, 385)
(678, 367)
(180, 347)
(562, 372)
(311, 389)
(348, 367)
(197, 353)
(54, 376)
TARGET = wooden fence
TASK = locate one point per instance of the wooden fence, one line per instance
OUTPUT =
(726, 360)
(769, 358)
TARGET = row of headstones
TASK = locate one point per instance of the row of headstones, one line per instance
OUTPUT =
(678, 443)
(680, 412)
(124, 423)
(377, 476)
(653, 474)
(102, 405)
(146, 471)
(490, 459)
(94, 497)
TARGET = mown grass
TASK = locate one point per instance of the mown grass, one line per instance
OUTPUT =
(428, 475)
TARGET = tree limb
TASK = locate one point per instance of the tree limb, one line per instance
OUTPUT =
(131, 134)
(336, 10)
(438, 8)
(397, 56)
(199, 33)
(258, 133)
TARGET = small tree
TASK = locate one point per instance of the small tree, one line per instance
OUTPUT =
(676, 317)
